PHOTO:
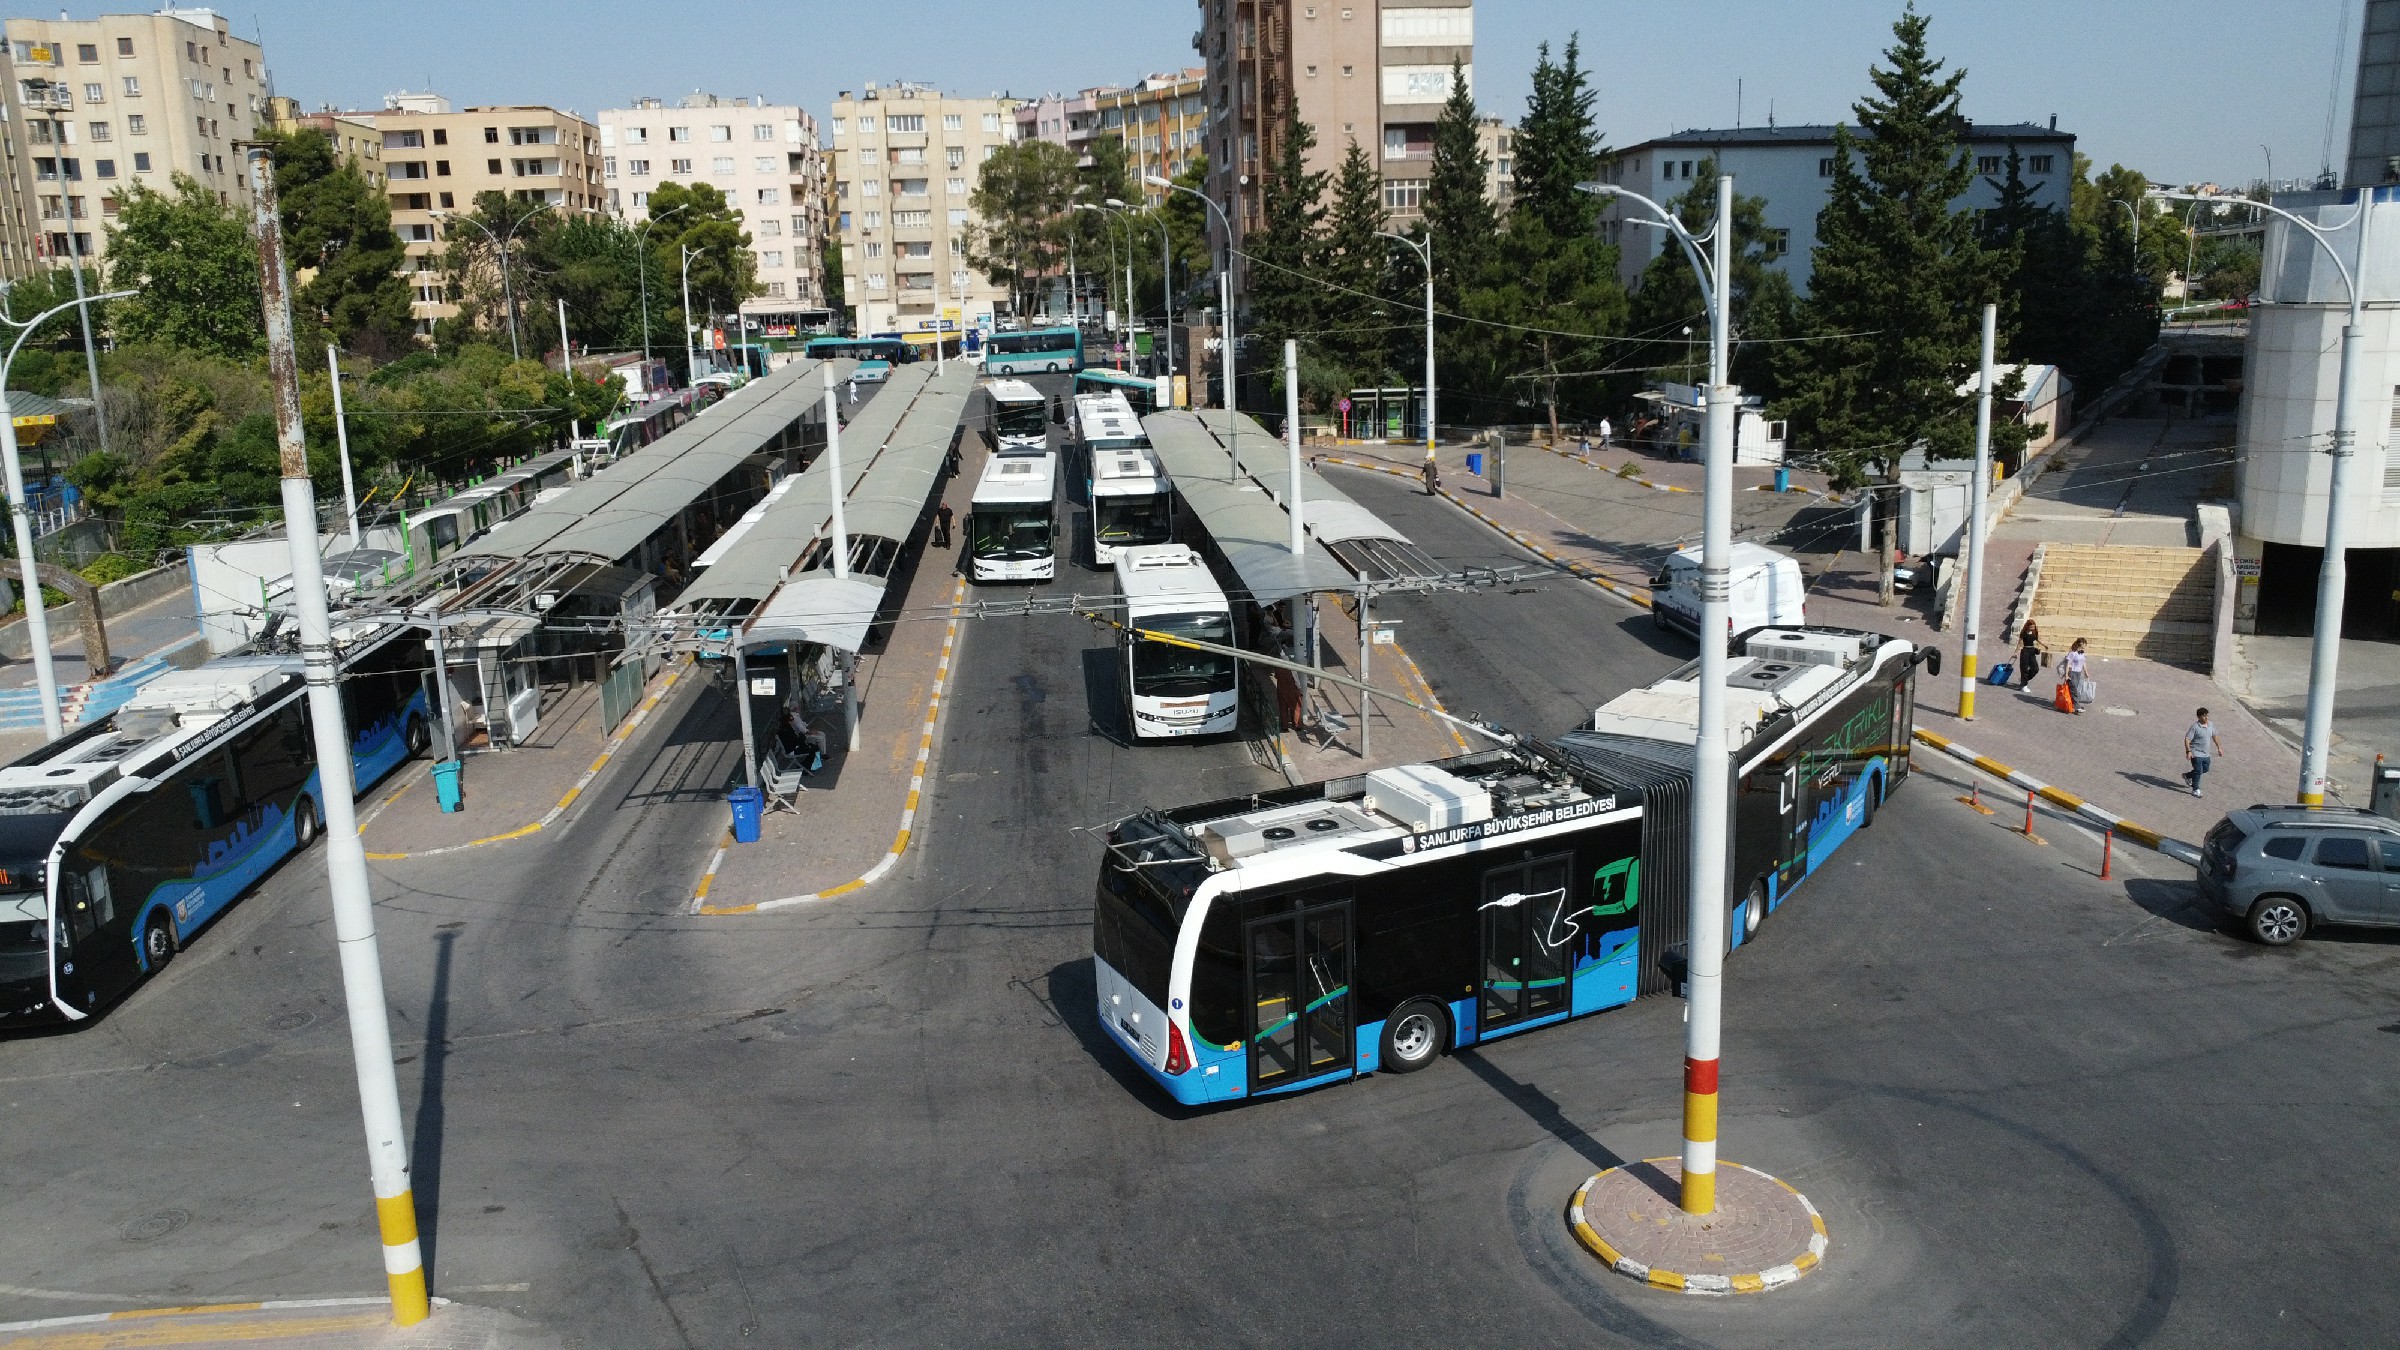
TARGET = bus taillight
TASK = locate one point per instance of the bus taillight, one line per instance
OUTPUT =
(1178, 1058)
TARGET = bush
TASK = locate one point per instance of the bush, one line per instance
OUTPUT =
(110, 567)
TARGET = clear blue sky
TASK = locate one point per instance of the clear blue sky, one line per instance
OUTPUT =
(2183, 90)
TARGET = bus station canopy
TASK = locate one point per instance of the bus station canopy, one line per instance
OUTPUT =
(1251, 528)
(1372, 550)
(608, 515)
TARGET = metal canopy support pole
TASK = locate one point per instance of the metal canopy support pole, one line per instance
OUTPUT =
(1976, 496)
(345, 855)
(691, 363)
(1366, 677)
(441, 686)
(2333, 578)
(1711, 769)
(1233, 458)
(1303, 606)
(341, 433)
(850, 694)
(1166, 294)
(833, 476)
(566, 367)
(1431, 422)
(741, 700)
(1074, 300)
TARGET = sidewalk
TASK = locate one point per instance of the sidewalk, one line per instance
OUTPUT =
(1401, 734)
(145, 642)
(855, 820)
(294, 1324)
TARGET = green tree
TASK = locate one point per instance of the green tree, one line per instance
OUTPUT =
(724, 272)
(1021, 195)
(193, 267)
(830, 259)
(1899, 279)
(1110, 174)
(1285, 300)
(1761, 301)
(1356, 266)
(471, 268)
(345, 256)
(1187, 227)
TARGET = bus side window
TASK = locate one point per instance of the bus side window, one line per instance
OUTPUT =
(94, 884)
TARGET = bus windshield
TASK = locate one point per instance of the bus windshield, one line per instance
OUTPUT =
(1164, 671)
(24, 950)
(1012, 533)
(1131, 520)
(1024, 419)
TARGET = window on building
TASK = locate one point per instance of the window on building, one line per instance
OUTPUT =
(45, 170)
(771, 258)
(679, 166)
(870, 155)
(679, 133)
(775, 289)
(721, 166)
(1403, 194)
(87, 52)
(866, 124)
(104, 168)
(1779, 243)
(955, 156)
(608, 167)
(1990, 163)
(839, 126)
(716, 133)
(953, 122)
(912, 220)
(2041, 164)
(770, 196)
(874, 220)
(957, 187)
(441, 168)
(420, 234)
(101, 132)
(909, 154)
(133, 86)
(637, 135)
(491, 135)
(841, 223)
(440, 136)
(770, 228)
(763, 164)
(492, 167)
(124, 46)
(874, 249)
(449, 200)
(95, 92)
(141, 161)
(991, 122)
(870, 187)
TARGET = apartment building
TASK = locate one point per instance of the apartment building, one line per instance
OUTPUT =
(904, 163)
(437, 159)
(354, 138)
(1376, 72)
(1498, 141)
(767, 160)
(1162, 120)
(126, 98)
(1064, 119)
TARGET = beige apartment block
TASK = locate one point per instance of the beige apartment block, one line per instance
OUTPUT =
(767, 160)
(437, 159)
(354, 137)
(1376, 72)
(1162, 121)
(905, 161)
(100, 104)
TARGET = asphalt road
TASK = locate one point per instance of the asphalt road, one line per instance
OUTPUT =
(2035, 1108)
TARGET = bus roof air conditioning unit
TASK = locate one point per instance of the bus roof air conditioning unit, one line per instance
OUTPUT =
(1804, 649)
(1426, 798)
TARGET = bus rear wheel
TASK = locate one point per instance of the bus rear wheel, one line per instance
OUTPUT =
(1414, 1035)
(1754, 911)
(158, 942)
(418, 737)
(304, 824)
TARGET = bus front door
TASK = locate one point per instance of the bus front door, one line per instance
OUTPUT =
(1300, 997)
(1528, 936)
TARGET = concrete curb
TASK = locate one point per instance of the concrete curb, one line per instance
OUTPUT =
(1582, 570)
(1712, 1284)
(150, 1316)
(2140, 834)
(616, 742)
(908, 814)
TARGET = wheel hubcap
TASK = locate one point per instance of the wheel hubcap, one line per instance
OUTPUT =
(2279, 923)
(1413, 1038)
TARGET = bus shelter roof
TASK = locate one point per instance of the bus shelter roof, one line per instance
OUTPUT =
(754, 561)
(891, 497)
(819, 607)
(1251, 529)
(1372, 549)
(609, 514)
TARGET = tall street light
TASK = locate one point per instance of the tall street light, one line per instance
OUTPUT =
(54, 97)
(1424, 252)
(2333, 577)
(1166, 293)
(1711, 767)
(500, 241)
(1225, 298)
(1132, 306)
(37, 620)
(691, 363)
(642, 255)
(1125, 316)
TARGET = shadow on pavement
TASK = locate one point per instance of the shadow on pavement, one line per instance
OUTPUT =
(425, 1167)
(2178, 902)
(1538, 1106)
(1102, 695)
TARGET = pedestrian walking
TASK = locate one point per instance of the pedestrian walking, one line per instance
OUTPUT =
(2073, 677)
(2200, 749)
(2031, 652)
(941, 526)
(1433, 478)
(854, 389)
(1607, 432)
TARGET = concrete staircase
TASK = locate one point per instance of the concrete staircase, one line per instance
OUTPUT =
(2156, 604)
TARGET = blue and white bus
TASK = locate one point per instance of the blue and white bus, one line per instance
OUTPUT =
(1305, 936)
(118, 844)
(1039, 351)
(875, 355)
(1141, 392)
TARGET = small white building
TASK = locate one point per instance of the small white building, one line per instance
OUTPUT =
(1677, 415)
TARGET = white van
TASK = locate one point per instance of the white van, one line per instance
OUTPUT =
(1767, 591)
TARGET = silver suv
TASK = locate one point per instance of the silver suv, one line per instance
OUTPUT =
(2282, 870)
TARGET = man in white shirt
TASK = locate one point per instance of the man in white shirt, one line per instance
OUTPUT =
(2200, 747)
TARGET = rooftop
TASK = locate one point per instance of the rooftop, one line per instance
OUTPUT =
(1822, 134)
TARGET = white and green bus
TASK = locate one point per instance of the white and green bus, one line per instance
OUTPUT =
(1050, 351)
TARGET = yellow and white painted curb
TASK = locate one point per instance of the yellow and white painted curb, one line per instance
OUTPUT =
(2056, 796)
(338, 1315)
(616, 742)
(1709, 1284)
(908, 814)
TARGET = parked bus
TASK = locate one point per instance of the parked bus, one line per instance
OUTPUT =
(119, 843)
(1012, 524)
(1019, 418)
(875, 355)
(645, 425)
(1307, 935)
(1050, 350)
(1140, 391)
(1132, 500)
(441, 529)
(1165, 690)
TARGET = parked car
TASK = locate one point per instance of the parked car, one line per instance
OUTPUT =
(2282, 870)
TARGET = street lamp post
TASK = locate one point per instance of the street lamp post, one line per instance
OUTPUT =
(2333, 577)
(642, 266)
(1225, 294)
(2137, 227)
(691, 362)
(1705, 978)
(1132, 307)
(1166, 300)
(37, 620)
(1424, 252)
(508, 291)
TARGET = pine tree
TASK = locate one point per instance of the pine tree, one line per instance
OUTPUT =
(1899, 281)
(1285, 300)
(1558, 147)
(1355, 265)
(1458, 206)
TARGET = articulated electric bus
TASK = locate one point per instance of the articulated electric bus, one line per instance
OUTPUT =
(1012, 524)
(120, 842)
(1019, 419)
(1170, 691)
(1308, 935)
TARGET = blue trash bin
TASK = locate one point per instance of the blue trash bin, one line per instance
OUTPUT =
(1475, 463)
(1783, 479)
(445, 785)
(748, 805)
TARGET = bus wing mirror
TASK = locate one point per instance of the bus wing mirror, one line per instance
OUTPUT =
(1932, 656)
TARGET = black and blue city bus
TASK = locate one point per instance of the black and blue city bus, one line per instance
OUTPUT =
(119, 843)
(1311, 934)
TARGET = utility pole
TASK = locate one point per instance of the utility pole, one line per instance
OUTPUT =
(1074, 299)
(566, 367)
(1976, 495)
(841, 539)
(345, 856)
(691, 363)
(341, 433)
(1292, 503)
(1424, 253)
